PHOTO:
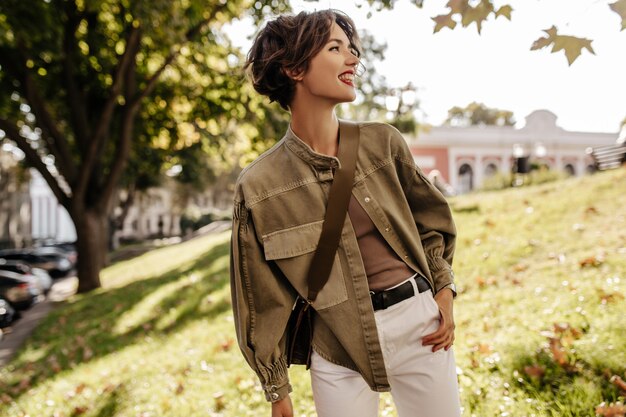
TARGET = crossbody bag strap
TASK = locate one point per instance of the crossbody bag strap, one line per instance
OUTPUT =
(336, 209)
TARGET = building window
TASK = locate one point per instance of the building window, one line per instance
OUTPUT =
(466, 178)
(490, 170)
(570, 170)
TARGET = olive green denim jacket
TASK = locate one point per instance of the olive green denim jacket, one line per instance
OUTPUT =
(279, 208)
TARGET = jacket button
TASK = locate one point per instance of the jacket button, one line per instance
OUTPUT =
(367, 199)
(387, 229)
(274, 396)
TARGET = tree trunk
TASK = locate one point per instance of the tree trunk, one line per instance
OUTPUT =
(91, 232)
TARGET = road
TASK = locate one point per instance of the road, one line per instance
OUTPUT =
(14, 336)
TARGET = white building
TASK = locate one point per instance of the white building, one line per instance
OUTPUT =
(465, 156)
(49, 219)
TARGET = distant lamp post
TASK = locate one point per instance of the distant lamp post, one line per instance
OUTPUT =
(392, 103)
(518, 150)
(520, 166)
(540, 150)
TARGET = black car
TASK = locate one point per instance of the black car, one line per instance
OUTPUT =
(57, 264)
(7, 313)
(20, 292)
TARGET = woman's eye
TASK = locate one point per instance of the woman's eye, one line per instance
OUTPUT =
(334, 48)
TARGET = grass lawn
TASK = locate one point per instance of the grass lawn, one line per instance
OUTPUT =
(541, 320)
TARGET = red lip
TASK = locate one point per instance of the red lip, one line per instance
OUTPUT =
(347, 82)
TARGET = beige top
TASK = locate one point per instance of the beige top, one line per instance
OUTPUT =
(384, 269)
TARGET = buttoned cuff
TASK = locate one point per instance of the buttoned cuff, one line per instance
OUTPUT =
(442, 279)
(275, 393)
(275, 380)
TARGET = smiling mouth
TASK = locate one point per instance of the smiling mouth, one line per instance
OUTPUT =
(347, 78)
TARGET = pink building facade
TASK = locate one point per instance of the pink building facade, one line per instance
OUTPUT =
(466, 156)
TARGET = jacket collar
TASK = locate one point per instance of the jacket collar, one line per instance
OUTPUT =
(306, 153)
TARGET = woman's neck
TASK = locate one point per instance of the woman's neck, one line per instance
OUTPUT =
(319, 129)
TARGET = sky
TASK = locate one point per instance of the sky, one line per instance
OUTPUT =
(497, 68)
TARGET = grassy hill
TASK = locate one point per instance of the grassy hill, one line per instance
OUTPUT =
(541, 320)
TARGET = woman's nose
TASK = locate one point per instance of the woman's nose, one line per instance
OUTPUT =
(352, 60)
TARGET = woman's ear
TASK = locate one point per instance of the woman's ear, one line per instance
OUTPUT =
(293, 74)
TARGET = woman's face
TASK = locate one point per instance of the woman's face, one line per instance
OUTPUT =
(331, 73)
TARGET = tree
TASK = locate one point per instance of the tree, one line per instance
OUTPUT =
(478, 12)
(478, 114)
(85, 83)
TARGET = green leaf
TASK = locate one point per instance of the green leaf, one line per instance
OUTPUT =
(619, 7)
(444, 20)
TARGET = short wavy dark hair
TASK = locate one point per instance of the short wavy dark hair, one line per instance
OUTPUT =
(288, 43)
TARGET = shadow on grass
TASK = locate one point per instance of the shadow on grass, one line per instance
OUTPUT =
(89, 323)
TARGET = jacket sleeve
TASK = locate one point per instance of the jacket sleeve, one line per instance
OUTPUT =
(262, 302)
(431, 213)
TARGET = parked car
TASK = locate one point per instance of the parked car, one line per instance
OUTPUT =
(56, 264)
(7, 313)
(43, 278)
(20, 291)
(56, 251)
(68, 247)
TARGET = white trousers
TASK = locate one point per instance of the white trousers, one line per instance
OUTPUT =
(423, 383)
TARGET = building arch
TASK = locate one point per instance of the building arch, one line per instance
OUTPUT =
(465, 178)
(491, 169)
(570, 170)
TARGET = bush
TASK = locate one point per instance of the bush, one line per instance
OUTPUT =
(541, 175)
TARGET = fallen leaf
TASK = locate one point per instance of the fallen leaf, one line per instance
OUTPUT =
(591, 261)
(535, 371)
(219, 401)
(225, 346)
(558, 353)
(619, 383)
(24, 384)
(87, 353)
(483, 348)
(79, 410)
(611, 410)
(606, 298)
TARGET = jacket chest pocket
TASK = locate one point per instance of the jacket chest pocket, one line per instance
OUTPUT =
(292, 249)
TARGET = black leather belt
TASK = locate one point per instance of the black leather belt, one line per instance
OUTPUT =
(386, 298)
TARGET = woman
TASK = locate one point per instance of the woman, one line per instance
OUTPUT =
(383, 321)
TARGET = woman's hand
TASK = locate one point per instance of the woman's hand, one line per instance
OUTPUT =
(443, 337)
(282, 408)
